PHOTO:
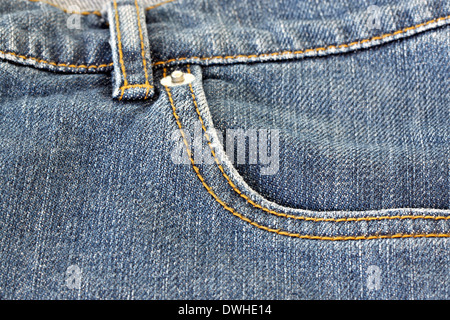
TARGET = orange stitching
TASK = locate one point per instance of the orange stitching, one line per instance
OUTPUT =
(119, 39)
(57, 64)
(158, 4)
(144, 61)
(148, 86)
(307, 50)
(277, 231)
(239, 56)
(250, 201)
(122, 63)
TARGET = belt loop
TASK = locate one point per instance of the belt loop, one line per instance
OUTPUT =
(133, 77)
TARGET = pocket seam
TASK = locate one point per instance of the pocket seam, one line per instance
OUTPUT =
(279, 214)
(305, 51)
(251, 56)
(272, 230)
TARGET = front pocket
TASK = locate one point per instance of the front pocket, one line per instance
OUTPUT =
(244, 198)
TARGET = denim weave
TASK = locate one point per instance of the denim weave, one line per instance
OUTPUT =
(94, 205)
(133, 77)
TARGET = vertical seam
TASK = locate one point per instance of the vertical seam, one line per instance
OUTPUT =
(144, 61)
(119, 39)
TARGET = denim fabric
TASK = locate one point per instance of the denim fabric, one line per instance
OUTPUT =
(366, 145)
(134, 78)
(109, 192)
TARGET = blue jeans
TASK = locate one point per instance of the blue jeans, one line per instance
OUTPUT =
(301, 153)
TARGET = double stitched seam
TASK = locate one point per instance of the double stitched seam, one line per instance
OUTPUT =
(119, 40)
(56, 64)
(277, 231)
(144, 61)
(122, 63)
(323, 49)
(250, 201)
(274, 54)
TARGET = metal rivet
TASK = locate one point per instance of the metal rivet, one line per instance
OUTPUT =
(177, 77)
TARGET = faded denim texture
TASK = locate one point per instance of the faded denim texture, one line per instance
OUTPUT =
(92, 205)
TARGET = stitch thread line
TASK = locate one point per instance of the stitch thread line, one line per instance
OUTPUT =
(126, 86)
(146, 86)
(119, 40)
(284, 215)
(277, 231)
(144, 61)
(158, 63)
(158, 4)
(327, 48)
